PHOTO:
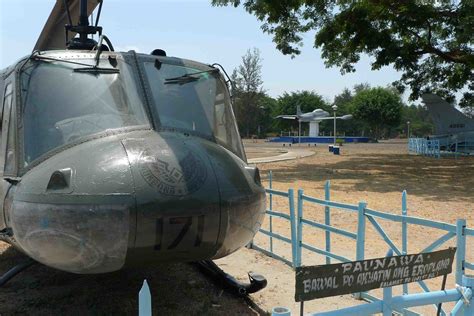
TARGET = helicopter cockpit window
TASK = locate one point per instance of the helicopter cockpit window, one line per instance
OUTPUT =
(194, 101)
(61, 106)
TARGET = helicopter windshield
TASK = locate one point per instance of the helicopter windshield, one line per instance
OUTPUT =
(61, 106)
(194, 101)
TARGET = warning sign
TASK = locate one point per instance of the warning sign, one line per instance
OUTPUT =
(359, 276)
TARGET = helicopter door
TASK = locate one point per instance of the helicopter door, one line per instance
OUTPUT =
(4, 121)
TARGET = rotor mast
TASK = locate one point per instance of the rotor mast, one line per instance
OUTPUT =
(83, 28)
(83, 19)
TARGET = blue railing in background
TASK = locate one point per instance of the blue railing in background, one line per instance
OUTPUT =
(421, 146)
(441, 147)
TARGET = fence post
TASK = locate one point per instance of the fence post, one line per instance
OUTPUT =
(361, 231)
(404, 232)
(469, 283)
(360, 247)
(387, 294)
(270, 179)
(299, 229)
(461, 249)
(327, 218)
(144, 300)
(291, 200)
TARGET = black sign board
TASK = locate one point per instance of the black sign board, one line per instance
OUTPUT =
(359, 276)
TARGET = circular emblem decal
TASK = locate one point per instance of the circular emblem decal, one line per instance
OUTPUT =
(171, 175)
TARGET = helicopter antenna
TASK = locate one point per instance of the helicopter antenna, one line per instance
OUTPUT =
(84, 29)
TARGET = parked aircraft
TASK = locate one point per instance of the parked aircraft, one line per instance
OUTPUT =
(452, 128)
(313, 118)
(114, 159)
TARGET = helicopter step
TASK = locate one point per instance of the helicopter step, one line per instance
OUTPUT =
(10, 274)
(257, 281)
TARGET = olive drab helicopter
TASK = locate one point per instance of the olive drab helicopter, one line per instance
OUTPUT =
(115, 159)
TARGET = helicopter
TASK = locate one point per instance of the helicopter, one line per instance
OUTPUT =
(112, 160)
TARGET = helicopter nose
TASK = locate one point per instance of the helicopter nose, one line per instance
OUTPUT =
(177, 197)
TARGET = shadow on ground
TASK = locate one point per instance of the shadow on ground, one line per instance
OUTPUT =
(176, 290)
(449, 179)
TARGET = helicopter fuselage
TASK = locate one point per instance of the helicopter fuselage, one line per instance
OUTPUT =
(122, 159)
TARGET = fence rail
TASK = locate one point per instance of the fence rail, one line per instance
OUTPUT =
(297, 222)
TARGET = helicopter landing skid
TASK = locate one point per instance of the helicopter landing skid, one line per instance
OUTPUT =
(257, 281)
(10, 274)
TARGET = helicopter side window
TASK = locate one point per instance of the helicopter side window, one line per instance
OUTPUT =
(61, 106)
(195, 101)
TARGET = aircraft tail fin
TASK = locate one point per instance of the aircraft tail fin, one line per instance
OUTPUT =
(447, 118)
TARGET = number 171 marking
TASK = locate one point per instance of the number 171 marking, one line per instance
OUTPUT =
(186, 222)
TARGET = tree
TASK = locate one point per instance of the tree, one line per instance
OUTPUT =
(266, 107)
(380, 108)
(248, 92)
(430, 42)
(343, 102)
(420, 121)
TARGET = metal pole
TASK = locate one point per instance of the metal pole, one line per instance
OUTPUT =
(461, 249)
(404, 232)
(443, 287)
(299, 132)
(327, 219)
(299, 228)
(360, 253)
(361, 232)
(387, 294)
(334, 127)
(270, 176)
(291, 200)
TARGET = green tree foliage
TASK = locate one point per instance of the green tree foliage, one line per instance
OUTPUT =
(267, 106)
(345, 127)
(248, 92)
(430, 42)
(379, 108)
(308, 101)
(420, 121)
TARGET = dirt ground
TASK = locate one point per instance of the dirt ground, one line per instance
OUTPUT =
(438, 189)
(441, 190)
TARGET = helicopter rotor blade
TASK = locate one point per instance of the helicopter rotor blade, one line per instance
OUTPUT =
(53, 34)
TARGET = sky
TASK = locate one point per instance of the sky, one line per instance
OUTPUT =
(192, 29)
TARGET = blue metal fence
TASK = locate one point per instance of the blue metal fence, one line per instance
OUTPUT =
(459, 231)
(462, 295)
(290, 217)
(421, 146)
(437, 147)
